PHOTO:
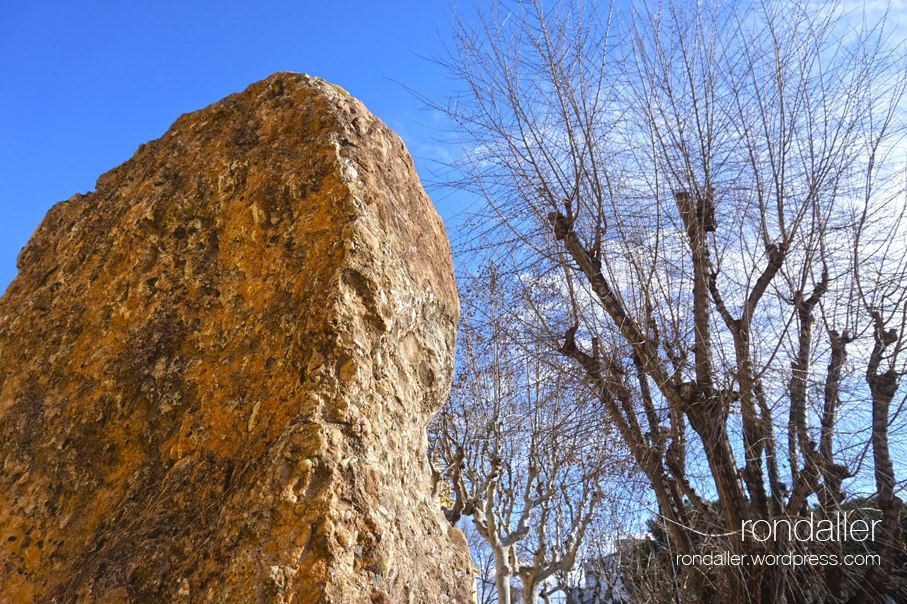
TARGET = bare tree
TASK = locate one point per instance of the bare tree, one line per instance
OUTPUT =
(519, 450)
(701, 203)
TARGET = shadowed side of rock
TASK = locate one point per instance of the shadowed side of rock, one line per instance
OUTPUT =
(217, 368)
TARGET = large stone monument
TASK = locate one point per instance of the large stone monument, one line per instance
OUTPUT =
(216, 370)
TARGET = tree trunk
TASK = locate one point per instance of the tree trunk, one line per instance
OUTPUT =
(502, 574)
(530, 591)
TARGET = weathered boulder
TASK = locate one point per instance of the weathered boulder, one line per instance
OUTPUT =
(217, 368)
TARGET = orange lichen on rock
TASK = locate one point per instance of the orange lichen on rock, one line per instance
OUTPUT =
(217, 369)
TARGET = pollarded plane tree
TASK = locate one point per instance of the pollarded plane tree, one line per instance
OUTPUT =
(713, 191)
(521, 453)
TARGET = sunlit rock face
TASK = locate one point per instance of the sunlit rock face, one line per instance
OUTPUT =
(216, 369)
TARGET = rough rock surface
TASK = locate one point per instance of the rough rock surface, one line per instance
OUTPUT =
(216, 369)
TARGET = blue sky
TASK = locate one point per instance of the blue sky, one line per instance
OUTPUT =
(83, 84)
